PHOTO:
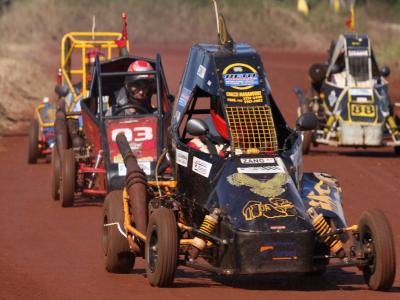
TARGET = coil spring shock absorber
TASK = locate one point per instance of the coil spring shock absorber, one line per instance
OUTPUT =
(329, 124)
(208, 226)
(323, 228)
(96, 165)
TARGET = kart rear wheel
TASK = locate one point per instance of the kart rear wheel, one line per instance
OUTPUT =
(117, 255)
(307, 139)
(68, 178)
(61, 140)
(55, 174)
(377, 242)
(33, 147)
(161, 248)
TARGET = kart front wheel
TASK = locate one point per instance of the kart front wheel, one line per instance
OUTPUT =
(377, 242)
(68, 178)
(55, 174)
(117, 256)
(33, 147)
(397, 150)
(161, 247)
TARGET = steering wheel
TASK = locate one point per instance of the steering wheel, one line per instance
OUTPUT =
(138, 108)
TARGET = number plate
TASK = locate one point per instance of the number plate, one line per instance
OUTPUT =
(362, 110)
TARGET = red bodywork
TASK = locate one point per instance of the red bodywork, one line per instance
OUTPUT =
(141, 132)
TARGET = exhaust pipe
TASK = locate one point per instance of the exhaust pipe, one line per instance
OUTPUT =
(135, 182)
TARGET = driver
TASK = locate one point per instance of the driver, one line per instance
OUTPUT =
(136, 93)
(217, 142)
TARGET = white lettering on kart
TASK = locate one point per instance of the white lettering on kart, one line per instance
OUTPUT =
(138, 134)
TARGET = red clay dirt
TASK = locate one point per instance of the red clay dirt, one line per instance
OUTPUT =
(49, 252)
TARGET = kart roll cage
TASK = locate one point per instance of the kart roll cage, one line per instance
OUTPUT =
(82, 41)
(352, 46)
(107, 88)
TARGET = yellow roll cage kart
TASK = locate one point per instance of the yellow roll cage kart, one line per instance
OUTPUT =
(74, 85)
(41, 131)
(76, 71)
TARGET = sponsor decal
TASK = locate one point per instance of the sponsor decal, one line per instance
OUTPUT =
(358, 53)
(271, 188)
(245, 97)
(121, 169)
(201, 167)
(259, 160)
(184, 98)
(240, 76)
(361, 92)
(278, 227)
(266, 248)
(201, 71)
(261, 170)
(279, 250)
(182, 158)
(275, 208)
(144, 165)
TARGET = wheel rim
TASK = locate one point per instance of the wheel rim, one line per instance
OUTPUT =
(153, 250)
(369, 252)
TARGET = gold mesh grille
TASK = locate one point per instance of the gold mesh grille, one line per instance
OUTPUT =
(252, 129)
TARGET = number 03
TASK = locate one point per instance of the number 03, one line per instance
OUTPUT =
(143, 134)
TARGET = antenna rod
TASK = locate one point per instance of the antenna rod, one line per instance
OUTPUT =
(93, 26)
(124, 31)
(216, 15)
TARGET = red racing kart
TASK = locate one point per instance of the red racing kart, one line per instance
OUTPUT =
(97, 168)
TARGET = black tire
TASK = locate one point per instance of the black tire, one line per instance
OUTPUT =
(321, 249)
(397, 151)
(48, 158)
(33, 142)
(55, 174)
(306, 146)
(61, 139)
(377, 237)
(117, 256)
(161, 248)
(68, 178)
(307, 135)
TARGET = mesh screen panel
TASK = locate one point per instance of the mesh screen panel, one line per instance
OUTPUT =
(252, 129)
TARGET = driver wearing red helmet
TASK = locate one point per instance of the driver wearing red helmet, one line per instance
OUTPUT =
(216, 142)
(135, 96)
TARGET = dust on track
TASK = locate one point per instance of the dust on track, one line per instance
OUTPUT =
(51, 252)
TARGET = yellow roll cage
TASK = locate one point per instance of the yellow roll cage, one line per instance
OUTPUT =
(51, 114)
(81, 41)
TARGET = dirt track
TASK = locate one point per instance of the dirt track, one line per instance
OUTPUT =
(49, 252)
